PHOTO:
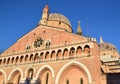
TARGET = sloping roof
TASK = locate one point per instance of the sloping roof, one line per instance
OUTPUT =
(108, 58)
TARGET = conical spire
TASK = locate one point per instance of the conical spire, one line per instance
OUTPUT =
(46, 7)
(101, 40)
(79, 30)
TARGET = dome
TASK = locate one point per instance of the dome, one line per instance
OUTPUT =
(107, 46)
(59, 17)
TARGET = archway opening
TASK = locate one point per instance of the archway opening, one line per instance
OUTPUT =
(65, 53)
(73, 75)
(45, 76)
(29, 75)
(15, 77)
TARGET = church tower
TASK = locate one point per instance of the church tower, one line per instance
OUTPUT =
(79, 30)
(45, 14)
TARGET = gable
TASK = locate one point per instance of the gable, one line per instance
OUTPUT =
(43, 37)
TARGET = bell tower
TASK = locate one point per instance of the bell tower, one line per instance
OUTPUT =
(45, 13)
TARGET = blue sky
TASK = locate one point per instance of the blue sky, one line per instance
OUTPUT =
(98, 18)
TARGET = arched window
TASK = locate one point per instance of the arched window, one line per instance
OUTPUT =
(87, 49)
(8, 60)
(31, 57)
(18, 81)
(53, 55)
(36, 57)
(47, 55)
(26, 58)
(47, 78)
(59, 54)
(81, 81)
(12, 60)
(41, 56)
(29, 75)
(72, 52)
(4, 61)
(21, 59)
(79, 50)
(67, 81)
(65, 53)
(17, 59)
(0, 61)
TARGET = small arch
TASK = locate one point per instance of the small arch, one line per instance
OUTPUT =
(79, 50)
(47, 55)
(1, 71)
(53, 55)
(65, 53)
(59, 54)
(12, 60)
(42, 68)
(17, 59)
(87, 49)
(4, 60)
(72, 52)
(0, 61)
(36, 56)
(41, 56)
(8, 60)
(26, 58)
(21, 59)
(31, 57)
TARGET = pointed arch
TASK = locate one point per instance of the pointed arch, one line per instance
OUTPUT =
(4, 75)
(73, 63)
(29, 69)
(16, 69)
(42, 68)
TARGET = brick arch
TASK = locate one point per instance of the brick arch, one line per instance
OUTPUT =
(53, 54)
(1, 71)
(87, 48)
(42, 68)
(8, 60)
(66, 53)
(36, 57)
(16, 69)
(47, 55)
(72, 52)
(73, 63)
(59, 54)
(29, 69)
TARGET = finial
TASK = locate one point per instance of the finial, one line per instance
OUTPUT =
(46, 6)
(101, 40)
(79, 30)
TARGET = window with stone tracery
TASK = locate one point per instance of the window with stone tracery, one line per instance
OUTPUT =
(38, 42)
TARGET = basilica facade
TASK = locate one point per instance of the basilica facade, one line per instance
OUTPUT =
(52, 54)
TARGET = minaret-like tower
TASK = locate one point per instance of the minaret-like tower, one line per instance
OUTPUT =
(79, 30)
(45, 14)
(101, 40)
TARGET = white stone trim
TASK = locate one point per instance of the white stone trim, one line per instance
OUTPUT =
(73, 63)
(4, 75)
(43, 67)
(10, 75)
